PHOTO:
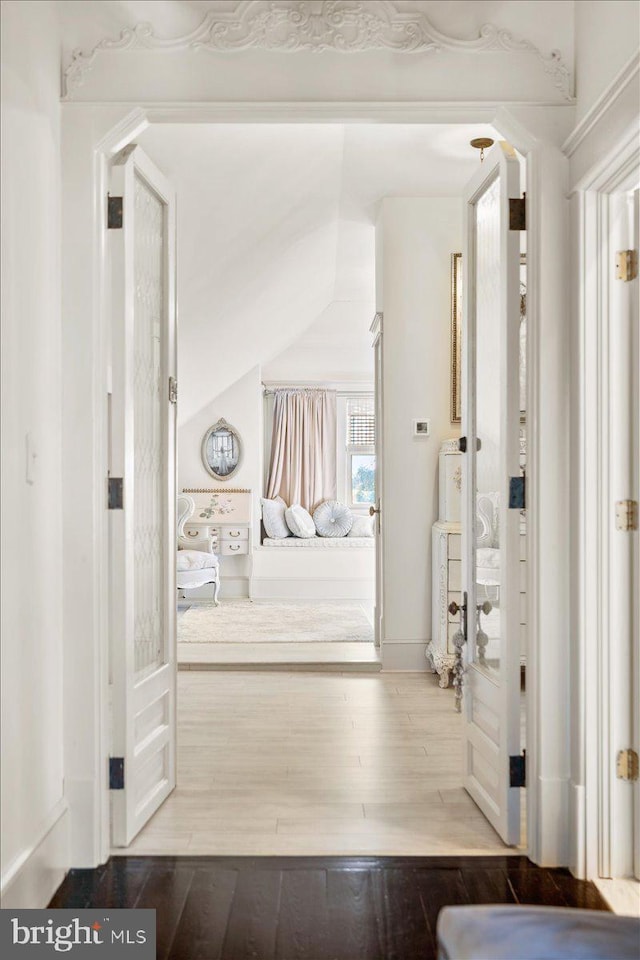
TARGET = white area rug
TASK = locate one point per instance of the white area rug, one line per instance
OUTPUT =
(275, 621)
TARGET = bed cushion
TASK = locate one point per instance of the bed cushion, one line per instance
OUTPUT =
(362, 526)
(299, 521)
(333, 519)
(273, 517)
(322, 543)
(196, 560)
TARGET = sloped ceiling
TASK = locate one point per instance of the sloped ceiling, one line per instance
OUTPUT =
(276, 227)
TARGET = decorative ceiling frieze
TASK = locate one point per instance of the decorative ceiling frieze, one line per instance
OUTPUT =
(346, 26)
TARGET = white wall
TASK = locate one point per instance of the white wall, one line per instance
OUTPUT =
(417, 237)
(241, 406)
(34, 849)
(606, 37)
(336, 347)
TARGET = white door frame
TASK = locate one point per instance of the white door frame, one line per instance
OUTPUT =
(86, 155)
(377, 330)
(604, 811)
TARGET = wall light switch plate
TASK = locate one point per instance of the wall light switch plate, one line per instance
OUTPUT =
(422, 428)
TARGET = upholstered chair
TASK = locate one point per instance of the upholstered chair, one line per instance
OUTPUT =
(197, 564)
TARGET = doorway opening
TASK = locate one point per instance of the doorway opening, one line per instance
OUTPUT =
(392, 740)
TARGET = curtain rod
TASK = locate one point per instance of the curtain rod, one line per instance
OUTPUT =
(345, 388)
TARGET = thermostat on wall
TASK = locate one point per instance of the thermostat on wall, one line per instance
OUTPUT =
(422, 428)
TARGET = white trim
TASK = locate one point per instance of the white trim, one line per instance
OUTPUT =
(406, 655)
(617, 168)
(327, 111)
(86, 164)
(598, 707)
(312, 588)
(603, 104)
(293, 25)
(34, 875)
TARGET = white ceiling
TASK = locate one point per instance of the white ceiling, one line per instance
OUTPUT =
(276, 226)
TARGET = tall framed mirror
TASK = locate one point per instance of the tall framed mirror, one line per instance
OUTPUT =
(221, 450)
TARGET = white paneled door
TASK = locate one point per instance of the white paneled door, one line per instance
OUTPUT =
(141, 239)
(491, 424)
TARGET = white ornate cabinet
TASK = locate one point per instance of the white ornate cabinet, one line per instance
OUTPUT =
(446, 545)
(224, 517)
(447, 572)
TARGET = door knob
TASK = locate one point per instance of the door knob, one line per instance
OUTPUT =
(373, 511)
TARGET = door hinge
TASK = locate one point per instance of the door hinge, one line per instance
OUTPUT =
(114, 213)
(518, 212)
(626, 515)
(627, 765)
(115, 498)
(462, 444)
(517, 493)
(173, 390)
(116, 773)
(518, 770)
(626, 265)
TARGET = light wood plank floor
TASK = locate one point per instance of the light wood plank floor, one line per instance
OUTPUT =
(317, 764)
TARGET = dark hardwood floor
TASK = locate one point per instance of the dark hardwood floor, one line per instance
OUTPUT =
(312, 908)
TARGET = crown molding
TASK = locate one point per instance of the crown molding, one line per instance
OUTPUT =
(345, 26)
(604, 103)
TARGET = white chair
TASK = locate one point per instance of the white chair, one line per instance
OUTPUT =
(197, 564)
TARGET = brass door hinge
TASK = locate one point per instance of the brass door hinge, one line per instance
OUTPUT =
(627, 765)
(626, 265)
(626, 515)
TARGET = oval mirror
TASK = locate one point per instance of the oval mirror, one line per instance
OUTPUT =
(221, 450)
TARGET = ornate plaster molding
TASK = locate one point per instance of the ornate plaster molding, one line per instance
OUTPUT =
(347, 26)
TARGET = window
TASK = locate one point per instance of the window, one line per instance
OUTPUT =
(360, 451)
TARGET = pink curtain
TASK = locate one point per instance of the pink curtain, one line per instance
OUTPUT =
(303, 447)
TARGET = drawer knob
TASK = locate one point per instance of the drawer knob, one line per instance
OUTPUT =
(234, 533)
(233, 547)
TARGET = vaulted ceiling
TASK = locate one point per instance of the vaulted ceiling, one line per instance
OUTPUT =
(276, 228)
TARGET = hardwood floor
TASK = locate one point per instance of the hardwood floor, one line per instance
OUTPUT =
(223, 908)
(317, 764)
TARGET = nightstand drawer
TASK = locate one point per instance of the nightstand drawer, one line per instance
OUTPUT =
(200, 533)
(230, 549)
(235, 533)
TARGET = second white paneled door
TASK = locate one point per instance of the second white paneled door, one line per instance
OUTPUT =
(491, 423)
(141, 241)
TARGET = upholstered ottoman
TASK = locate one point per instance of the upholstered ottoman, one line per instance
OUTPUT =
(536, 933)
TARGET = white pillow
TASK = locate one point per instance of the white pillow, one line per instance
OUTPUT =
(300, 521)
(362, 526)
(273, 518)
(333, 519)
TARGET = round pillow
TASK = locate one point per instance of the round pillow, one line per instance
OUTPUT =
(333, 519)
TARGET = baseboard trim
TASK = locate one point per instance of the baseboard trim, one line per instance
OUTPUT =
(316, 588)
(578, 847)
(405, 655)
(35, 874)
(553, 822)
